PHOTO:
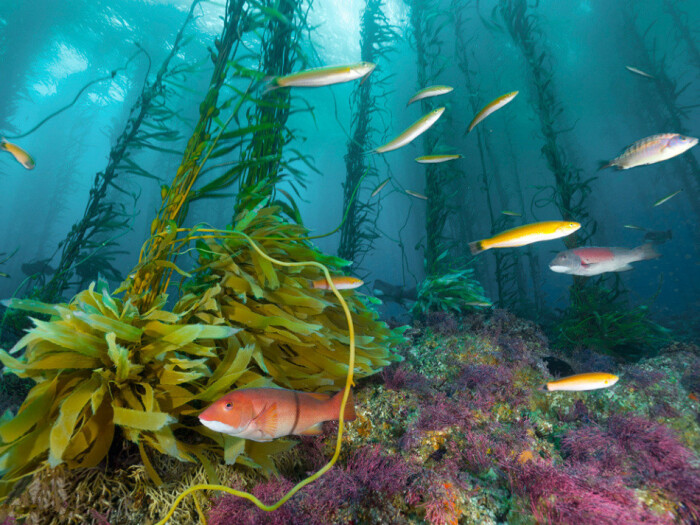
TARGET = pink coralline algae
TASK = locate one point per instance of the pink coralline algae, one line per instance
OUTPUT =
(565, 497)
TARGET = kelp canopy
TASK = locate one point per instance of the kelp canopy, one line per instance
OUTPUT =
(125, 360)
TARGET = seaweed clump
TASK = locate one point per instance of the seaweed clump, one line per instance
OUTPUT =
(600, 320)
(455, 293)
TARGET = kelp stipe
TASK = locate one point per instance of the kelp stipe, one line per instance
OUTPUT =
(670, 114)
(358, 232)
(346, 393)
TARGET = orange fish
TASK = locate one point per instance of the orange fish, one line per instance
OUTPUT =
(341, 283)
(264, 414)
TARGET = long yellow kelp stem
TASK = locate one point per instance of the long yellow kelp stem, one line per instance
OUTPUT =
(346, 394)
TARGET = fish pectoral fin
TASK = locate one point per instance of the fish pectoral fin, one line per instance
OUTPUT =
(625, 268)
(313, 430)
(268, 419)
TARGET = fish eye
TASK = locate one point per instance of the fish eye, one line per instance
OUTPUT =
(228, 406)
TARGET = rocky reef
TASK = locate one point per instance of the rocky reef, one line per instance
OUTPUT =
(455, 433)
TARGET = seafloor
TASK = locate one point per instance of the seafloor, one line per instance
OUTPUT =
(456, 433)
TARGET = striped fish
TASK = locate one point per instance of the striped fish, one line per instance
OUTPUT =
(323, 76)
(651, 150)
(492, 106)
(414, 130)
(432, 91)
(435, 159)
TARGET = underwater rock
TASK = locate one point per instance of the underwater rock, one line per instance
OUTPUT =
(558, 367)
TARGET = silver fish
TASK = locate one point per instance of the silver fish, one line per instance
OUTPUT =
(651, 150)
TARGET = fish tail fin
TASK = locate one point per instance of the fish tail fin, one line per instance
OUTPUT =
(337, 400)
(603, 164)
(646, 251)
(270, 84)
(543, 387)
(476, 247)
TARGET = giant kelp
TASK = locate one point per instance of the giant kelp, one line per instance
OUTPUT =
(103, 361)
(569, 191)
(357, 233)
(668, 113)
(427, 22)
(92, 240)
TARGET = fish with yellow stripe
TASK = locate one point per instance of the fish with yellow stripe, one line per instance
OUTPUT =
(581, 382)
(526, 234)
(491, 107)
(651, 150)
(21, 156)
(322, 76)
(343, 282)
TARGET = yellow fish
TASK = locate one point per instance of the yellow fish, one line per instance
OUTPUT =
(581, 382)
(432, 91)
(414, 130)
(24, 158)
(341, 283)
(435, 159)
(323, 76)
(492, 106)
(526, 234)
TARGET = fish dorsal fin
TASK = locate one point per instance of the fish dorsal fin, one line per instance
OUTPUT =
(267, 420)
(320, 397)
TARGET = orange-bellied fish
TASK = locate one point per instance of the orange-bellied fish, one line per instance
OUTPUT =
(435, 159)
(581, 382)
(431, 91)
(344, 282)
(323, 76)
(264, 414)
(413, 131)
(492, 106)
(638, 72)
(526, 234)
(592, 260)
(21, 156)
(650, 150)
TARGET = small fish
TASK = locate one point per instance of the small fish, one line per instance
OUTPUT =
(492, 106)
(432, 91)
(380, 187)
(435, 159)
(344, 282)
(666, 198)
(526, 234)
(483, 304)
(651, 150)
(3, 274)
(264, 414)
(658, 237)
(581, 382)
(592, 260)
(416, 194)
(413, 131)
(633, 227)
(21, 156)
(323, 76)
(638, 71)
(511, 213)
